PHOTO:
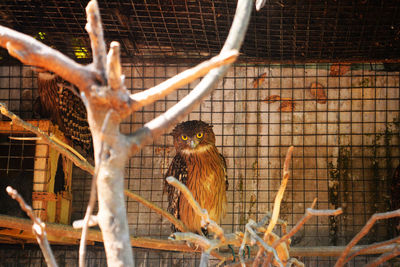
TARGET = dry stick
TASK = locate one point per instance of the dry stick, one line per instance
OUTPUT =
(95, 31)
(277, 203)
(167, 120)
(262, 242)
(364, 231)
(206, 244)
(202, 241)
(177, 223)
(372, 247)
(309, 213)
(241, 249)
(157, 92)
(206, 222)
(48, 139)
(385, 257)
(115, 79)
(38, 227)
(92, 198)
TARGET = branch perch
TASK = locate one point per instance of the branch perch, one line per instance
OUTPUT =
(206, 222)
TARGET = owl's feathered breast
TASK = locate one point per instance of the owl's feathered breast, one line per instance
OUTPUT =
(205, 176)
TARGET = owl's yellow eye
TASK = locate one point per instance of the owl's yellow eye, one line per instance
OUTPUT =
(199, 135)
(184, 137)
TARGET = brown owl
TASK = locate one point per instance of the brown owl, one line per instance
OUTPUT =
(64, 109)
(199, 166)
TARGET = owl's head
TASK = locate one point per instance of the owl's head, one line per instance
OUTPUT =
(193, 136)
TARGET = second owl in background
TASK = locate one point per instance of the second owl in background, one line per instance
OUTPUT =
(199, 166)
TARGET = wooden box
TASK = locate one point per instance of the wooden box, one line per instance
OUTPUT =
(52, 172)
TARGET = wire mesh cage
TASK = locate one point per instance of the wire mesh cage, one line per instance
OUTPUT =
(342, 118)
(346, 147)
(291, 31)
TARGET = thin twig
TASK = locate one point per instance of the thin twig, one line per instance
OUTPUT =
(295, 262)
(309, 213)
(159, 91)
(262, 242)
(206, 222)
(48, 139)
(264, 220)
(38, 227)
(241, 249)
(178, 223)
(277, 203)
(199, 240)
(370, 247)
(385, 257)
(364, 231)
(92, 198)
(279, 195)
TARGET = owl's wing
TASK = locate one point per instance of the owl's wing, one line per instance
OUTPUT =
(225, 170)
(177, 169)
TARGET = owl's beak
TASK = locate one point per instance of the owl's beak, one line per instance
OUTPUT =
(193, 144)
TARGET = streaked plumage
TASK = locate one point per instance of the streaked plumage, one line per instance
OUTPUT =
(64, 109)
(199, 166)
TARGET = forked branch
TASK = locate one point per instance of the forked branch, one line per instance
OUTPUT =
(364, 231)
(164, 122)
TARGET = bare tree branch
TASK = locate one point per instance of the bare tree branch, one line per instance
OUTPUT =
(264, 245)
(32, 52)
(385, 257)
(178, 223)
(95, 31)
(164, 122)
(38, 227)
(277, 203)
(206, 222)
(309, 213)
(115, 78)
(159, 91)
(364, 231)
(372, 247)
